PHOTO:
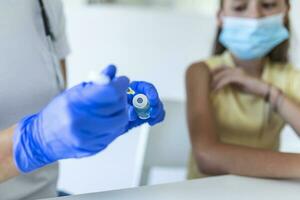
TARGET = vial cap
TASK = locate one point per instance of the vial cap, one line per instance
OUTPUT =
(140, 101)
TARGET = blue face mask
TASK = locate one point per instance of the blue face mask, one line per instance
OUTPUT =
(250, 39)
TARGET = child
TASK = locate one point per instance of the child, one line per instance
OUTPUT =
(240, 99)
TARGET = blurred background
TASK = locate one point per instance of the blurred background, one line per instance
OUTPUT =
(153, 40)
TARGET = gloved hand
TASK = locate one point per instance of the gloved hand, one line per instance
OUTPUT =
(80, 122)
(157, 114)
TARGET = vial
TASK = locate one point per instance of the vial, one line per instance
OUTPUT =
(142, 106)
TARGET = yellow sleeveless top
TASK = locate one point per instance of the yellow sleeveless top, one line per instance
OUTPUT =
(247, 120)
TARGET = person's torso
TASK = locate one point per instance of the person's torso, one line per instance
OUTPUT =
(27, 84)
(245, 119)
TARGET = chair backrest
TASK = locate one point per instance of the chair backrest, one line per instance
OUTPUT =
(167, 144)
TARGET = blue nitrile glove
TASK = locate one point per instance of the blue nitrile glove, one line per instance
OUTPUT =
(80, 122)
(157, 114)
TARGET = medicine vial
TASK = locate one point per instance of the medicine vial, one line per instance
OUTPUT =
(141, 105)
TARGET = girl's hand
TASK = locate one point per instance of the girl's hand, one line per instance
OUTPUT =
(238, 78)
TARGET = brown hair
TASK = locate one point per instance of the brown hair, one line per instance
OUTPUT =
(278, 54)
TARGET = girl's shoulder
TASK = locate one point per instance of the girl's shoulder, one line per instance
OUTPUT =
(206, 66)
(287, 77)
(286, 70)
(217, 61)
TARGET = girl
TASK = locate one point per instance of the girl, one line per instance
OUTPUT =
(240, 99)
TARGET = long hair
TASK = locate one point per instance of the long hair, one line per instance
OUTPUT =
(278, 54)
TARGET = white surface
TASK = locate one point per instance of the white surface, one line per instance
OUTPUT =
(290, 141)
(225, 188)
(163, 175)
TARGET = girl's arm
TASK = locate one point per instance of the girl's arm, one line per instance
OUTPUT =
(288, 110)
(286, 107)
(215, 158)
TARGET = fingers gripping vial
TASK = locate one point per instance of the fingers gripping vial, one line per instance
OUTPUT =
(140, 102)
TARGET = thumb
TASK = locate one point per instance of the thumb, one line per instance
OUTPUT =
(94, 94)
(106, 94)
(110, 71)
(121, 84)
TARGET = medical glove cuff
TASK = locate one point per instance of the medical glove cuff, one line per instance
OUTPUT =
(27, 152)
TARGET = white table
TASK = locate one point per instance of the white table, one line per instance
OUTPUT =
(223, 187)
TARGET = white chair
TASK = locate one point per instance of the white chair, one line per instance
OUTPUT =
(164, 149)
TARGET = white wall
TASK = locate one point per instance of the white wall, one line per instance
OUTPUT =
(146, 44)
(200, 5)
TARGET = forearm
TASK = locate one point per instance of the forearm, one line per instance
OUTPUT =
(290, 112)
(238, 160)
(7, 167)
(285, 107)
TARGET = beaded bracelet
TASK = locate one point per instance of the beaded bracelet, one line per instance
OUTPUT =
(268, 94)
(278, 100)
